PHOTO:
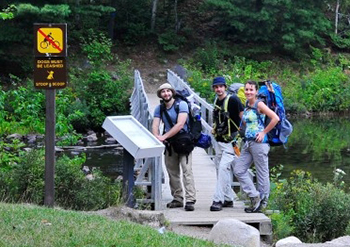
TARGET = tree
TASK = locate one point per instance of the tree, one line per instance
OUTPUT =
(154, 13)
(277, 25)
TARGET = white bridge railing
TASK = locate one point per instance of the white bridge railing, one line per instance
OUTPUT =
(149, 170)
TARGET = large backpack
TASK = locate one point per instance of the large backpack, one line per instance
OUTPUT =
(195, 124)
(271, 94)
(238, 89)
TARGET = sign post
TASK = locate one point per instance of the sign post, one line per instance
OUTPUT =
(50, 73)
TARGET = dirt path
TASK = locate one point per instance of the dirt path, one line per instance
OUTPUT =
(152, 64)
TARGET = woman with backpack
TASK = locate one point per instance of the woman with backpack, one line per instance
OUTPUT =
(255, 149)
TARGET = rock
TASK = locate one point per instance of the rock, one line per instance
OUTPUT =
(86, 170)
(31, 139)
(89, 177)
(342, 241)
(91, 137)
(91, 132)
(153, 219)
(58, 149)
(15, 136)
(180, 71)
(234, 232)
(110, 140)
(288, 240)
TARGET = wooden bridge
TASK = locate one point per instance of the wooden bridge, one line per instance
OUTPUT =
(142, 107)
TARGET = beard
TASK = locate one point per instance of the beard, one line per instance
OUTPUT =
(167, 100)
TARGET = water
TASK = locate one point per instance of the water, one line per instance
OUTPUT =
(317, 145)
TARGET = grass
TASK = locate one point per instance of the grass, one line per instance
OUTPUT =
(29, 225)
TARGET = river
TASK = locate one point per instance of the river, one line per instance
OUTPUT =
(317, 145)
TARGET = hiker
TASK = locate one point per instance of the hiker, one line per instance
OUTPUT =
(173, 160)
(255, 149)
(225, 128)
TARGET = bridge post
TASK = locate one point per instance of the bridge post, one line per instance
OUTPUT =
(128, 179)
(157, 183)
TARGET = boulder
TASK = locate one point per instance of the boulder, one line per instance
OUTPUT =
(234, 232)
(288, 240)
(343, 241)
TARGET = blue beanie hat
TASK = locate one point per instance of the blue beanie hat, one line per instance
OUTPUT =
(220, 80)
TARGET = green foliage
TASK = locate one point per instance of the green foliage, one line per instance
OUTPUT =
(24, 182)
(315, 212)
(132, 21)
(320, 84)
(283, 25)
(281, 225)
(342, 42)
(99, 92)
(171, 41)
(8, 12)
(208, 57)
(324, 90)
(97, 48)
(238, 70)
(23, 111)
(10, 153)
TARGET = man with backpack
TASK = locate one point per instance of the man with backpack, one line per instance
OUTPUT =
(174, 114)
(228, 111)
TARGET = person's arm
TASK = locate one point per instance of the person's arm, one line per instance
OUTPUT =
(181, 120)
(156, 123)
(155, 126)
(264, 109)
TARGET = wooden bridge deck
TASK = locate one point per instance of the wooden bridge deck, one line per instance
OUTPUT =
(205, 181)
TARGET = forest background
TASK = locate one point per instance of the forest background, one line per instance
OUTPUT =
(303, 45)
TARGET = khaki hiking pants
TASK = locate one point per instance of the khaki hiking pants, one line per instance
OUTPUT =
(173, 164)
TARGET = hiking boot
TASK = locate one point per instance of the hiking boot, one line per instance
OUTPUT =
(227, 204)
(189, 206)
(254, 205)
(216, 206)
(175, 204)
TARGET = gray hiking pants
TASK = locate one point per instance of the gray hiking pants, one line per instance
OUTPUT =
(258, 153)
(224, 161)
(173, 164)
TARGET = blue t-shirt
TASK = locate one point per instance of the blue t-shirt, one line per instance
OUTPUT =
(183, 107)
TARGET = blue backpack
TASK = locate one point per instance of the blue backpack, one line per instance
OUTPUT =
(271, 94)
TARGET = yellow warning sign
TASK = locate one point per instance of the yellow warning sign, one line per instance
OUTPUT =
(50, 40)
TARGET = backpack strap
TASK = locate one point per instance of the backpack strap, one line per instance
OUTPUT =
(225, 109)
(177, 109)
(255, 108)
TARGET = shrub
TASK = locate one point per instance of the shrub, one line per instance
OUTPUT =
(98, 91)
(317, 212)
(25, 183)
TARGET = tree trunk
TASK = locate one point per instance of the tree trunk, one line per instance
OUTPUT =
(177, 26)
(337, 16)
(154, 13)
